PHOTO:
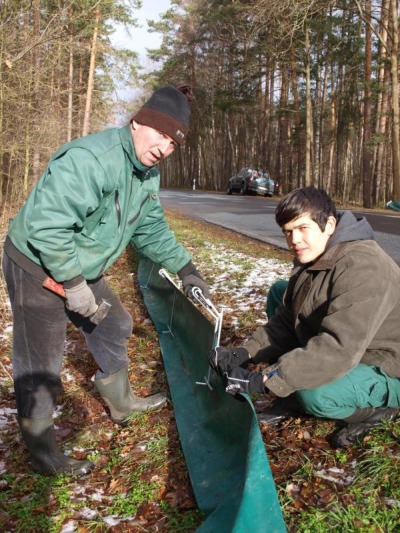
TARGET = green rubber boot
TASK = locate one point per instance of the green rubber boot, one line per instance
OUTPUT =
(117, 392)
(40, 439)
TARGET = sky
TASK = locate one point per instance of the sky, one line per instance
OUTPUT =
(140, 39)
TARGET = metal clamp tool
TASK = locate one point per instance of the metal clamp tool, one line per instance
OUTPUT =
(199, 297)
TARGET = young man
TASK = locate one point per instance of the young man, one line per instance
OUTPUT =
(98, 194)
(333, 346)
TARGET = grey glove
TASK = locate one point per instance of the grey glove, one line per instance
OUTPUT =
(191, 278)
(80, 299)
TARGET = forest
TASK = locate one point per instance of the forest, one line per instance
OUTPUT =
(306, 89)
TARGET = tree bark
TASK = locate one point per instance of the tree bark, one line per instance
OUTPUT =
(308, 170)
(366, 150)
(382, 106)
(90, 85)
(395, 102)
(70, 83)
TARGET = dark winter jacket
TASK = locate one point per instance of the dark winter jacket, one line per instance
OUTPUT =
(341, 310)
(93, 199)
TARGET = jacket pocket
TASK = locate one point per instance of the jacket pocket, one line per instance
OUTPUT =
(103, 223)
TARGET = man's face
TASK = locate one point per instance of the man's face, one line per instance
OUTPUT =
(151, 146)
(305, 238)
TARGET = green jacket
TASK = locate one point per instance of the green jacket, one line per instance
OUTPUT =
(94, 199)
(340, 311)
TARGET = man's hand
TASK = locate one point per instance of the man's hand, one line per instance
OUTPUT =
(191, 278)
(242, 380)
(80, 299)
(223, 360)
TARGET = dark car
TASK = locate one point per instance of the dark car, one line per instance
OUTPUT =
(252, 180)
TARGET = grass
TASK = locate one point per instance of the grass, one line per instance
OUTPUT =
(140, 482)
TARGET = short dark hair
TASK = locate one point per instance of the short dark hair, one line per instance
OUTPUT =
(306, 200)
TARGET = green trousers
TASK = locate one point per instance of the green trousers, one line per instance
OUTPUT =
(364, 386)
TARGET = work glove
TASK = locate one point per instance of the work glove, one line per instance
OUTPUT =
(190, 278)
(242, 380)
(225, 359)
(80, 299)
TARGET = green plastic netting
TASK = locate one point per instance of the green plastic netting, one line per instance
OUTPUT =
(220, 435)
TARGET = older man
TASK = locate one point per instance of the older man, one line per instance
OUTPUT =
(98, 194)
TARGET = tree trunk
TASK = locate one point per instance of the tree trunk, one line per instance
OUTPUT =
(2, 95)
(90, 85)
(70, 83)
(308, 172)
(382, 108)
(395, 103)
(36, 85)
(366, 149)
(322, 145)
(282, 127)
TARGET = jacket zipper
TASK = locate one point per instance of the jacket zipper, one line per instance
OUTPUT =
(117, 206)
(146, 199)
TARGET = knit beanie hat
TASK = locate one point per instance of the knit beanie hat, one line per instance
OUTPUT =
(168, 111)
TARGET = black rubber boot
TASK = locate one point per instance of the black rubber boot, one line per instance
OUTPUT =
(117, 392)
(360, 424)
(40, 439)
(282, 409)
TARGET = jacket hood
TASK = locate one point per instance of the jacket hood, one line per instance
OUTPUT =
(350, 228)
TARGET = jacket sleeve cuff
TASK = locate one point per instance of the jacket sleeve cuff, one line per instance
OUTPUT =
(189, 268)
(277, 384)
(69, 284)
(252, 347)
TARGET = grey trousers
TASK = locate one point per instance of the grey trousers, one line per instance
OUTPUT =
(40, 321)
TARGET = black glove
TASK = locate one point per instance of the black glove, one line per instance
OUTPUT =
(191, 278)
(225, 359)
(242, 380)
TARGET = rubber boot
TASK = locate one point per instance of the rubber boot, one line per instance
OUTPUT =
(40, 439)
(117, 392)
(361, 422)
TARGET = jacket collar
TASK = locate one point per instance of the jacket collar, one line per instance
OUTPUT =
(326, 261)
(127, 144)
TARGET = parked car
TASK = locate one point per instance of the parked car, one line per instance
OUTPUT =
(252, 180)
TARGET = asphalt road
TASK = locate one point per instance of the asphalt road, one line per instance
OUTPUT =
(254, 216)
